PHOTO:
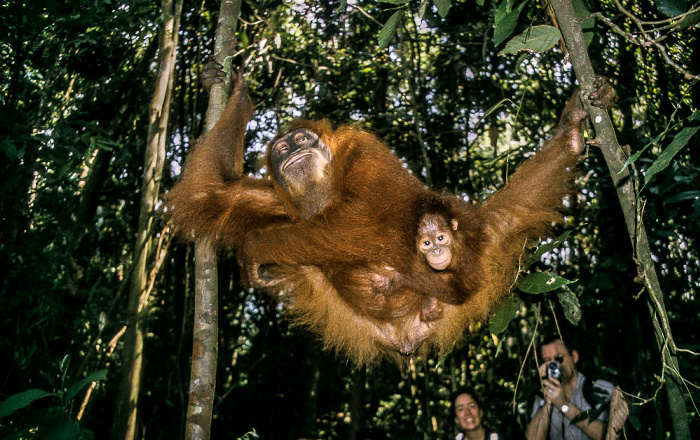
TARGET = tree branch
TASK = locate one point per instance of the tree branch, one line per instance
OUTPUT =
(206, 310)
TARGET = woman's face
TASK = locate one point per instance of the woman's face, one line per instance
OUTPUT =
(467, 413)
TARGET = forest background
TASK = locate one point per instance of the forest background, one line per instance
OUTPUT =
(80, 84)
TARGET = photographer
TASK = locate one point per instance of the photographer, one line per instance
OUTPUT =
(562, 388)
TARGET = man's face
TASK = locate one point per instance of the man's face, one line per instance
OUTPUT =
(556, 351)
(467, 413)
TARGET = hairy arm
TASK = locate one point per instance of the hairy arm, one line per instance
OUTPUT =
(595, 429)
(534, 193)
(329, 237)
(531, 202)
(210, 201)
(539, 425)
(424, 282)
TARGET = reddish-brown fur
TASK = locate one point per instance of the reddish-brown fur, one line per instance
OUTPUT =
(463, 276)
(323, 264)
(209, 194)
(383, 292)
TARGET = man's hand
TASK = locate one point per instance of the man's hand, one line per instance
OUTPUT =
(553, 392)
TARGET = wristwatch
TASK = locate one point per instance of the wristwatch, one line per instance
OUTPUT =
(565, 408)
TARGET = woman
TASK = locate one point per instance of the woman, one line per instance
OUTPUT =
(468, 416)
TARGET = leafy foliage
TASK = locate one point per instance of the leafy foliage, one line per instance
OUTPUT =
(537, 39)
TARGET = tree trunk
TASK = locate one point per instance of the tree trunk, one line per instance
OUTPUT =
(411, 64)
(615, 159)
(125, 419)
(205, 337)
(356, 402)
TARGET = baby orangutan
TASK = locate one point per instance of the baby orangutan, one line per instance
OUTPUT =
(446, 256)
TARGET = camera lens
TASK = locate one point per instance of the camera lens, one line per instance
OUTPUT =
(553, 370)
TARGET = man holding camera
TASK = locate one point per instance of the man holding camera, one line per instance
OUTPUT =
(562, 389)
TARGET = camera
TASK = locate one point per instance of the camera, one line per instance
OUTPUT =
(554, 370)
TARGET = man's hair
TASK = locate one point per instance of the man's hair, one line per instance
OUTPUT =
(554, 337)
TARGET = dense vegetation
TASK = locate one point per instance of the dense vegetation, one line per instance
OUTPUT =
(76, 80)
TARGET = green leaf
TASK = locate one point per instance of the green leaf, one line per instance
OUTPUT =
(395, 2)
(10, 150)
(443, 7)
(501, 317)
(547, 247)
(389, 29)
(243, 39)
(90, 378)
(671, 8)
(666, 156)
(341, 7)
(21, 400)
(422, 8)
(632, 158)
(104, 143)
(505, 21)
(688, 21)
(588, 25)
(582, 10)
(685, 195)
(537, 39)
(694, 117)
(572, 308)
(66, 430)
(65, 363)
(541, 282)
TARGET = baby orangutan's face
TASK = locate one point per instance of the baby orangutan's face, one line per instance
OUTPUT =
(435, 240)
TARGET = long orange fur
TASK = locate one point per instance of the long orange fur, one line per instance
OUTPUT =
(370, 221)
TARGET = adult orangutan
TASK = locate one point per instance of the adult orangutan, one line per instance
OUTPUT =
(339, 214)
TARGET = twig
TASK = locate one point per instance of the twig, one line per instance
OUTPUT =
(527, 353)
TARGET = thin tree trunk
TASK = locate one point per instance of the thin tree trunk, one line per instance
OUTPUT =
(411, 64)
(205, 336)
(126, 417)
(356, 402)
(615, 159)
